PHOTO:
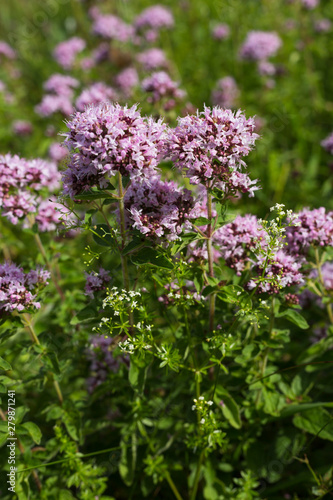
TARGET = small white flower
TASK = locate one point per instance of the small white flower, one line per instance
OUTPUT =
(202, 421)
(201, 398)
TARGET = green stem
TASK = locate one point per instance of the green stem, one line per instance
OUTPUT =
(197, 476)
(34, 338)
(321, 279)
(124, 265)
(210, 260)
(47, 263)
(173, 486)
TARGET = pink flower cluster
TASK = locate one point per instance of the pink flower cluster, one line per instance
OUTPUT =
(107, 139)
(127, 80)
(112, 27)
(310, 4)
(95, 94)
(65, 52)
(20, 181)
(151, 20)
(328, 144)
(316, 228)
(22, 127)
(18, 290)
(96, 282)
(6, 50)
(161, 87)
(260, 45)
(210, 147)
(221, 31)
(236, 240)
(282, 271)
(60, 97)
(152, 59)
(225, 93)
(157, 208)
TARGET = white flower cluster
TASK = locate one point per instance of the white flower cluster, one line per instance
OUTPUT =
(142, 340)
(275, 229)
(121, 300)
(201, 405)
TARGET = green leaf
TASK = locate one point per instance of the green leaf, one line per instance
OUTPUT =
(102, 236)
(298, 408)
(316, 421)
(200, 221)
(295, 317)
(229, 409)
(5, 365)
(137, 374)
(127, 461)
(87, 313)
(152, 257)
(93, 195)
(133, 245)
(34, 431)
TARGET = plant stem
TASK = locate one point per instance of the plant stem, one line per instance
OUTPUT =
(47, 263)
(124, 265)
(210, 260)
(35, 340)
(197, 477)
(173, 486)
(321, 279)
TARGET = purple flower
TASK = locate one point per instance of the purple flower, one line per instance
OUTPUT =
(225, 93)
(112, 27)
(310, 4)
(57, 152)
(236, 240)
(96, 282)
(107, 139)
(260, 45)
(152, 59)
(66, 52)
(61, 85)
(328, 143)
(157, 208)
(220, 31)
(209, 147)
(18, 290)
(155, 17)
(316, 228)
(103, 360)
(161, 86)
(266, 68)
(20, 181)
(50, 216)
(53, 104)
(282, 271)
(322, 25)
(96, 94)
(22, 127)
(127, 80)
(6, 50)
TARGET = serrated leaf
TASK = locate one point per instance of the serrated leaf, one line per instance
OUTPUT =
(34, 431)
